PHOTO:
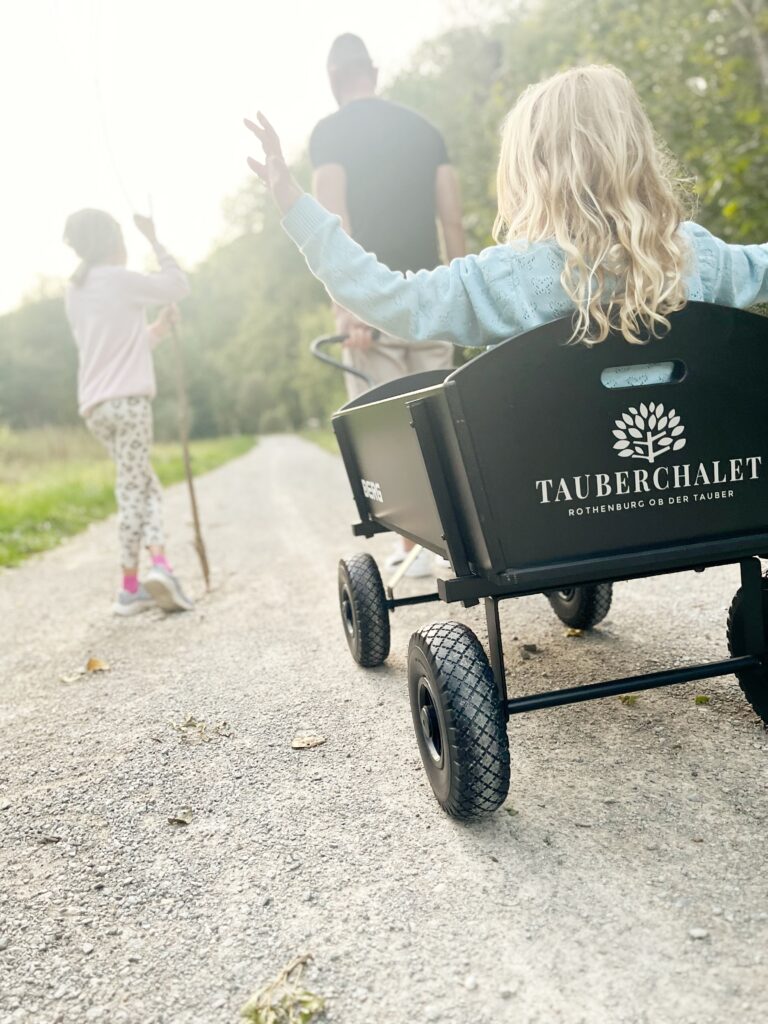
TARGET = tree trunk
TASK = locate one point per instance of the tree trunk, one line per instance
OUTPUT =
(758, 39)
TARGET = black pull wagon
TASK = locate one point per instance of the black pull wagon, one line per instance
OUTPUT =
(546, 467)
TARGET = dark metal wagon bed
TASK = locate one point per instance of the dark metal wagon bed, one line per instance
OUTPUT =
(546, 467)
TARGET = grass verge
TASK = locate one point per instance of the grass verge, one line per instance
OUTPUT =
(54, 483)
(322, 436)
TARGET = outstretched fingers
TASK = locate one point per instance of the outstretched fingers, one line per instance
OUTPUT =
(257, 168)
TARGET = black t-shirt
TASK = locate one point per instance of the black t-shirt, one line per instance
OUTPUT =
(390, 155)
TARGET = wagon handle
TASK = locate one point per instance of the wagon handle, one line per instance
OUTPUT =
(317, 349)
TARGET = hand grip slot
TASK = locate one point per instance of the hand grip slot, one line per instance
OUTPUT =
(643, 374)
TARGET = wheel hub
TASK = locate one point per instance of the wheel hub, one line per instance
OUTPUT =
(430, 722)
(346, 612)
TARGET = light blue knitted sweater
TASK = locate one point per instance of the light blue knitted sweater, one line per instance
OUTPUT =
(504, 291)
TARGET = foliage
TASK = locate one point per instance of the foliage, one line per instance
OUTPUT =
(700, 68)
(54, 483)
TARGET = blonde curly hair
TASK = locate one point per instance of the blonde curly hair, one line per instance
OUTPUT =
(580, 165)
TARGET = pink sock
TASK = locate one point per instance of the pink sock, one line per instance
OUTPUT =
(130, 582)
(162, 561)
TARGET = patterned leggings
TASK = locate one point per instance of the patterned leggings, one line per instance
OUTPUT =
(124, 427)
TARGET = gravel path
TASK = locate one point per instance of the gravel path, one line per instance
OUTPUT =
(625, 879)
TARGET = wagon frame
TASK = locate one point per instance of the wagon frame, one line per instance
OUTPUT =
(719, 372)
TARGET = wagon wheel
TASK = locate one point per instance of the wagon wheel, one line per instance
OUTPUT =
(753, 681)
(582, 607)
(364, 612)
(459, 721)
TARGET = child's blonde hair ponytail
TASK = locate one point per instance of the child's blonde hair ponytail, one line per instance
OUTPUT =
(580, 165)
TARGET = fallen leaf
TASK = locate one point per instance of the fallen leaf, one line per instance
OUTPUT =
(96, 665)
(282, 1000)
(701, 698)
(630, 699)
(305, 742)
(571, 631)
(196, 730)
(72, 677)
(182, 817)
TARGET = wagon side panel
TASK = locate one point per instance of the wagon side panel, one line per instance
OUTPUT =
(574, 470)
(391, 468)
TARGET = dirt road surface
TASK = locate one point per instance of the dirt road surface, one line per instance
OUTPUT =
(625, 880)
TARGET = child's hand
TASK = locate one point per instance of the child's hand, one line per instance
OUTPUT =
(146, 226)
(168, 319)
(274, 170)
(360, 336)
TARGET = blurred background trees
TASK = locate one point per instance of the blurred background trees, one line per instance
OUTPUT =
(701, 69)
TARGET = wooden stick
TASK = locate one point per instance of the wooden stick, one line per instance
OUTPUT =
(183, 414)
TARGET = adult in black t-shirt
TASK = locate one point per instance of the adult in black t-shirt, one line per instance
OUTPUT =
(384, 170)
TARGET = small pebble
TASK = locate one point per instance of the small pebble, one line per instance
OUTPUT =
(431, 1013)
(698, 933)
(470, 982)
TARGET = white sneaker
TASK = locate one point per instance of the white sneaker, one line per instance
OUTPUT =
(422, 565)
(166, 590)
(396, 558)
(131, 604)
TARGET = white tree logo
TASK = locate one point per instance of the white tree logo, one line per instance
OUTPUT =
(648, 432)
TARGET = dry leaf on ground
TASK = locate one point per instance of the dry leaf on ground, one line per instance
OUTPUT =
(195, 730)
(72, 677)
(96, 665)
(574, 632)
(305, 742)
(282, 1000)
(181, 817)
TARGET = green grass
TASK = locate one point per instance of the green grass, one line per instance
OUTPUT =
(53, 483)
(322, 436)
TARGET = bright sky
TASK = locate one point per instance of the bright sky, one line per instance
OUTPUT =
(153, 92)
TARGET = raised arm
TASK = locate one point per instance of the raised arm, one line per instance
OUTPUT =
(454, 303)
(169, 284)
(450, 303)
(733, 275)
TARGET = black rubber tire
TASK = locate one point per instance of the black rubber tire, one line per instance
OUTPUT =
(753, 681)
(364, 612)
(460, 725)
(582, 607)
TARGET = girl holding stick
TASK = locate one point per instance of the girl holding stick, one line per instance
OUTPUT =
(106, 307)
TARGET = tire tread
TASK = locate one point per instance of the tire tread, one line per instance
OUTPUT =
(367, 592)
(753, 682)
(477, 731)
(594, 603)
